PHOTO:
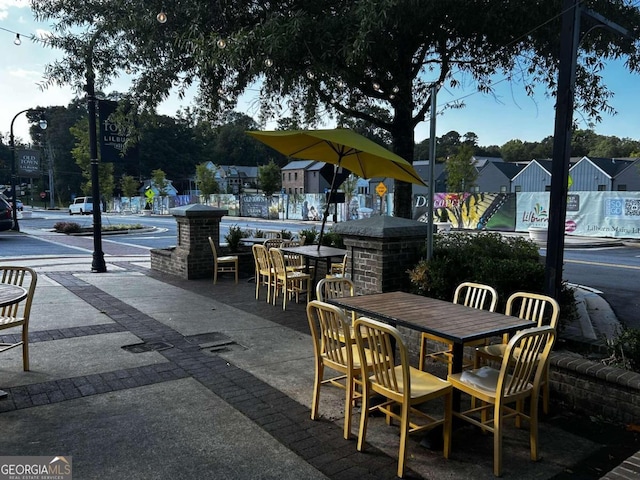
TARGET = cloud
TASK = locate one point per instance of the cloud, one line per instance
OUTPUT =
(5, 5)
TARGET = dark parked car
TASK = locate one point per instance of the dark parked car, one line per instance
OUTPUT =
(6, 218)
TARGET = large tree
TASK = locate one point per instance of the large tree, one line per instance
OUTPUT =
(334, 56)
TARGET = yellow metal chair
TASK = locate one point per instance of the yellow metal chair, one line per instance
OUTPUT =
(290, 282)
(334, 348)
(17, 315)
(336, 287)
(339, 269)
(272, 234)
(296, 262)
(524, 364)
(272, 243)
(541, 310)
(225, 264)
(264, 271)
(474, 295)
(402, 385)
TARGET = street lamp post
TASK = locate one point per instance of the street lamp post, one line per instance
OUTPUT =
(14, 174)
(98, 264)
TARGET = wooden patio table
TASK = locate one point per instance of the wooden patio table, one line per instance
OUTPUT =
(451, 321)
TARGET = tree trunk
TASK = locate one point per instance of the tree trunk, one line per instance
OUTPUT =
(403, 145)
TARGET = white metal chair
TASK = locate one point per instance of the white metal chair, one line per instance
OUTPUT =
(474, 295)
(523, 366)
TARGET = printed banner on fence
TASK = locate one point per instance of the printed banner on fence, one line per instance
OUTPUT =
(593, 214)
(471, 211)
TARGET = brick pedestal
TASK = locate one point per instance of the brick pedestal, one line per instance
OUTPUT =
(381, 250)
(192, 257)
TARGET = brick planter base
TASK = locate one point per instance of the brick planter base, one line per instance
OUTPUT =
(595, 389)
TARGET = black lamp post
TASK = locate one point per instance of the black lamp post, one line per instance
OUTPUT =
(98, 264)
(14, 175)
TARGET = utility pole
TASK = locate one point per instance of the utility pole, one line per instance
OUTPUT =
(569, 41)
(50, 154)
(562, 145)
(98, 264)
(432, 163)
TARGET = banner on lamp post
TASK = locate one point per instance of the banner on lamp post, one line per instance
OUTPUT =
(28, 163)
(112, 137)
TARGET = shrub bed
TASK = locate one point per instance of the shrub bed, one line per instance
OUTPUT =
(508, 264)
(67, 227)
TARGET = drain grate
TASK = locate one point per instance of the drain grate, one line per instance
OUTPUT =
(147, 347)
(204, 338)
(213, 342)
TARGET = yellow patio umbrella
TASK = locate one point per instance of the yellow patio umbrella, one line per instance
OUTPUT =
(344, 148)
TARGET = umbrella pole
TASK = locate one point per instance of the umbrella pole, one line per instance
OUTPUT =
(326, 208)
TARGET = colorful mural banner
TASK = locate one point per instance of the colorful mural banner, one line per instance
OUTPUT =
(590, 214)
(469, 211)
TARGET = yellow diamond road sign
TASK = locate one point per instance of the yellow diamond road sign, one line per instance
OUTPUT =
(149, 194)
(381, 189)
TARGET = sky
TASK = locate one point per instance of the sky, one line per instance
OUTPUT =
(508, 115)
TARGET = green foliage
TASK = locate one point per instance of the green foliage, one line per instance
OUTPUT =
(286, 234)
(159, 180)
(206, 180)
(258, 234)
(310, 235)
(121, 227)
(314, 59)
(234, 237)
(129, 186)
(625, 349)
(269, 178)
(508, 264)
(332, 239)
(67, 227)
(461, 173)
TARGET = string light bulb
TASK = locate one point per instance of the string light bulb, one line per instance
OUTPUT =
(17, 40)
(222, 43)
(161, 17)
(268, 62)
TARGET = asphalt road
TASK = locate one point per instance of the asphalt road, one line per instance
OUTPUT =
(615, 272)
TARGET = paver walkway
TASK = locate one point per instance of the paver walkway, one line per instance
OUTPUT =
(212, 384)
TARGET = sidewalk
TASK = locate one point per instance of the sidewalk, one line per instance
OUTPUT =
(141, 375)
